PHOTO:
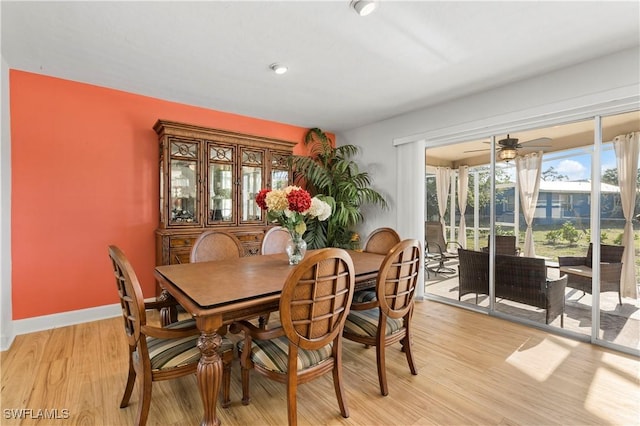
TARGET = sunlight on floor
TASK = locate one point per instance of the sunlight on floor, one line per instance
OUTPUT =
(601, 391)
(535, 362)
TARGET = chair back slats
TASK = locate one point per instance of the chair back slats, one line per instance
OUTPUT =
(381, 241)
(398, 278)
(130, 294)
(215, 245)
(275, 240)
(316, 297)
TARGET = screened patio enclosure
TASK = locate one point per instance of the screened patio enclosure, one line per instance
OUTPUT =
(557, 201)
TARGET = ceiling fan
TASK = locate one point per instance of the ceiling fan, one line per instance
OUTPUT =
(508, 148)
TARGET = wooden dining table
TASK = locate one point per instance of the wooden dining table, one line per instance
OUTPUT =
(220, 292)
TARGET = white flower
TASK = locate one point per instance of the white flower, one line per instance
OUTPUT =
(319, 209)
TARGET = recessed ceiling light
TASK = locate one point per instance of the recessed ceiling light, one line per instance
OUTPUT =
(363, 7)
(278, 68)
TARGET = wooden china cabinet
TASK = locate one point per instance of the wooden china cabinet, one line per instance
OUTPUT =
(208, 180)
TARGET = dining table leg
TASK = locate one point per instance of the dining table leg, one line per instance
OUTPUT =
(209, 373)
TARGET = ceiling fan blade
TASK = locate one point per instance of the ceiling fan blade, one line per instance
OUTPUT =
(540, 142)
(479, 150)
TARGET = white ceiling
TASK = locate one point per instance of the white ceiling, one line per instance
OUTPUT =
(345, 71)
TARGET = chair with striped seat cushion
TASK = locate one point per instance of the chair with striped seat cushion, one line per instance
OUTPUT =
(380, 241)
(392, 309)
(157, 353)
(171, 353)
(314, 304)
(273, 355)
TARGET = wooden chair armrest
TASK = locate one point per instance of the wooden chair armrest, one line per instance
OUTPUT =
(169, 333)
(256, 332)
(159, 304)
(165, 300)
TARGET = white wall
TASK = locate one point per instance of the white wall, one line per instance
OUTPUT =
(6, 329)
(608, 84)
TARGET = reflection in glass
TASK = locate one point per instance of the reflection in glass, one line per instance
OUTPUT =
(620, 179)
(220, 187)
(251, 175)
(279, 170)
(184, 177)
(251, 185)
(279, 179)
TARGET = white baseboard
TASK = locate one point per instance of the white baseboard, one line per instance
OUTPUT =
(6, 341)
(63, 319)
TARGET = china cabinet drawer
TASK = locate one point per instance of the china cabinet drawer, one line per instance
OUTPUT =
(182, 242)
(250, 238)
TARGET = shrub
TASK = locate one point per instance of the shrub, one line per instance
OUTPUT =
(570, 233)
(553, 237)
(618, 239)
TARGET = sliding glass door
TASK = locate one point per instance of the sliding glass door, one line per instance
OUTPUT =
(558, 201)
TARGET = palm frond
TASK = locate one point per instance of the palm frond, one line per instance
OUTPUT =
(330, 171)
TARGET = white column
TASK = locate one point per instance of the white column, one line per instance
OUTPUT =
(410, 194)
(6, 311)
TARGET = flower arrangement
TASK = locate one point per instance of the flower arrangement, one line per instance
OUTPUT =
(289, 207)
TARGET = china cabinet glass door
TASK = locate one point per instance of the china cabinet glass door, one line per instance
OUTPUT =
(252, 169)
(184, 170)
(221, 188)
(279, 170)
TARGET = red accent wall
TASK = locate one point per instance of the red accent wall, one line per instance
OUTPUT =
(84, 167)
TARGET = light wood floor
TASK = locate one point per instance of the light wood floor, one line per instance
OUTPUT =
(473, 369)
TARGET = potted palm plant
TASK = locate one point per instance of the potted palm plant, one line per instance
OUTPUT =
(330, 171)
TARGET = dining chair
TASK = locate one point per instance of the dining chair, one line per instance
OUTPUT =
(275, 240)
(313, 306)
(380, 241)
(387, 319)
(157, 353)
(215, 245)
(219, 245)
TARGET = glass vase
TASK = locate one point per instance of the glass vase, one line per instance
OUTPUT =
(296, 248)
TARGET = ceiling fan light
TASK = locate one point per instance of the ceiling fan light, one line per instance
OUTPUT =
(363, 7)
(507, 154)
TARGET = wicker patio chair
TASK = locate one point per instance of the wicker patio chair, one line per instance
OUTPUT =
(578, 269)
(505, 244)
(520, 279)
